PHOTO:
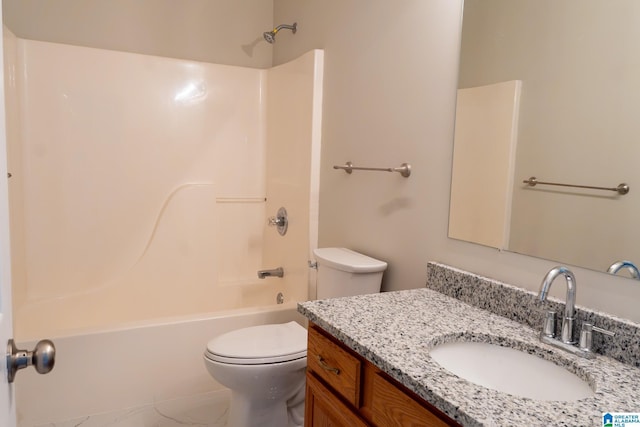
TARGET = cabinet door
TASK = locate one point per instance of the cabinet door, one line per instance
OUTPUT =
(324, 409)
(391, 407)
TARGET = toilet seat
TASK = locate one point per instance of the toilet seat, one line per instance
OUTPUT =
(257, 345)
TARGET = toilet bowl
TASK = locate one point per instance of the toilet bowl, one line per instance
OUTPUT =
(264, 367)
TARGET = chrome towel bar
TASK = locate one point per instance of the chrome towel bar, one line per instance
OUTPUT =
(404, 169)
(620, 189)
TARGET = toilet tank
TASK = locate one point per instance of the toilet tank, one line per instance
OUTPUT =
(343, 272)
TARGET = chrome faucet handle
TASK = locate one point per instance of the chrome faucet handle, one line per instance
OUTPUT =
(549, 325)
(280, 221)
(586, 335)
(276, 221)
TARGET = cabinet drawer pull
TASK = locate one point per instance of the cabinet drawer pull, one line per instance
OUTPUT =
(326, 367)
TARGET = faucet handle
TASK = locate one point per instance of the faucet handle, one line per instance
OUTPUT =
(276, 221)
(280, 221)
(586, 335)
(549, 325)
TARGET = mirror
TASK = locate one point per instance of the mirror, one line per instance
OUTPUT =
(549, 89)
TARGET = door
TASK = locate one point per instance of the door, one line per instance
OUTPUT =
(325, 409)
(7, 401)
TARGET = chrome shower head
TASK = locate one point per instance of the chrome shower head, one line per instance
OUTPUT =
(270, 36)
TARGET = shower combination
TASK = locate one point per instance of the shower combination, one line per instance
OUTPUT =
(270, 36)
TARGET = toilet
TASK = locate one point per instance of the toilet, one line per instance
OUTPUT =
(264, 366)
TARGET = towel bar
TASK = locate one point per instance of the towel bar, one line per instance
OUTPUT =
(620, 189)
(404, 169)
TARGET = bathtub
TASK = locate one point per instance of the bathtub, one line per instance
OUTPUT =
(145, 303)
(137, 364)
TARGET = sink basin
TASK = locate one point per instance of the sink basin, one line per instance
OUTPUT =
(510, 371)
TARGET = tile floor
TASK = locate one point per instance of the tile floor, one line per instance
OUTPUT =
(207, 410)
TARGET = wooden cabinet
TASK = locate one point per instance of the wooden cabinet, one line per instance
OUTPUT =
(337, 366)
(324, 409)
(345, 390)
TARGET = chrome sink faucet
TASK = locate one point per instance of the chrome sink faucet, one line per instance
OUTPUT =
(566, 341)
(570, 304)
(628, 265)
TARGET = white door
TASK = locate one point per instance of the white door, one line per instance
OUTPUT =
(7, 401)
(7, 397)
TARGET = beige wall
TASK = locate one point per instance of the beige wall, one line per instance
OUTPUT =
(390, 85)
(219, 31)
(386, 101)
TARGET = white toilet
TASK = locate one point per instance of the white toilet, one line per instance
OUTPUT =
(264, 366)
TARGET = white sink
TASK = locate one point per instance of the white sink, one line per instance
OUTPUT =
(510, 371)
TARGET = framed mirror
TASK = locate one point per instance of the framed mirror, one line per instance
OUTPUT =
(549, 89)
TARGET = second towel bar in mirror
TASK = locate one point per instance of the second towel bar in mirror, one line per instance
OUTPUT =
(404, 169)
(620, 189)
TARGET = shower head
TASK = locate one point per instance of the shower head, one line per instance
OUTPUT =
(270, 36)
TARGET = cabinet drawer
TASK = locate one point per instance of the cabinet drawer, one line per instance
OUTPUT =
(334, 365)
(392, 407)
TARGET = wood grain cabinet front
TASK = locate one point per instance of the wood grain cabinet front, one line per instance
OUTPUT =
(345, 390)
(325, 409)
(390, 406)
(338, 367)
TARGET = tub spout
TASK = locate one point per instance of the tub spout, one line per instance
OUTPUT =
(276, 272)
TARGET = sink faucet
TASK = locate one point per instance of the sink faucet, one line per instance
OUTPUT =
(276, 272)
(570, 304)
(566, 341)
(628, 265)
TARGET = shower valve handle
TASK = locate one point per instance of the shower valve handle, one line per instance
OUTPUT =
(276, 221)
(281, 221)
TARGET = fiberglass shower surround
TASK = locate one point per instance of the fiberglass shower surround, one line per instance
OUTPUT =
(184, 218)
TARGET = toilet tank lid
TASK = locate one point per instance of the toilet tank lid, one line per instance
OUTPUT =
(347, 260)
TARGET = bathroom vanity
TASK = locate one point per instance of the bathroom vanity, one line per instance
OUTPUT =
(369, 360)
(344, 389)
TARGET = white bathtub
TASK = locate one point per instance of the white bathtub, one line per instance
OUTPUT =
(142, 303)
(136, 365)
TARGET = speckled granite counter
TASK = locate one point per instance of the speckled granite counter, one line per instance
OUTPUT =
(396, 330)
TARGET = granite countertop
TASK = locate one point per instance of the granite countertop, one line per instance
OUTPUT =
(396, 330)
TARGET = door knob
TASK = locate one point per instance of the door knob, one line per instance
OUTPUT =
(42, 358)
